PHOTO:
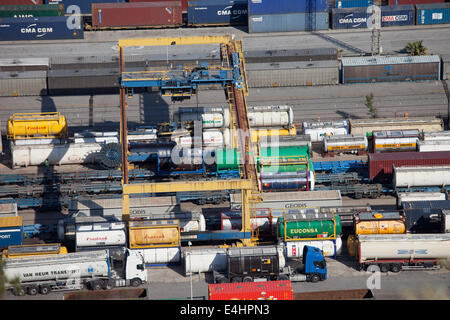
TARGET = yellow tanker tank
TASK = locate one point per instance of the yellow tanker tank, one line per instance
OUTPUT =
(352, 243)
(141, 238)
(380, 227)
(258, 133)
(36, 125)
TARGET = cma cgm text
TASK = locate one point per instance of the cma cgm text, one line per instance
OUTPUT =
(36, 30)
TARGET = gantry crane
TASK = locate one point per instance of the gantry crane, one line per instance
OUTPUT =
(181, 84)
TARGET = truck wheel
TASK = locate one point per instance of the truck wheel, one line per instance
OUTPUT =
(236, 279)
(247, 279)
(395, 267)
(32, 290)
(136, 282)
(315, 278)
(283, 277)
(384, 267)
(95, 285)
(108, 285)
(44, 289)
(221, 280)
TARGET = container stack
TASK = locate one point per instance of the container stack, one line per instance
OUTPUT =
(290, 15)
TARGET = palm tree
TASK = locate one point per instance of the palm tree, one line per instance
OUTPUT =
(416, 48)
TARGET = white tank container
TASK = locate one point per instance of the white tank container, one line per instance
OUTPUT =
(71, 153)
(270, 116)
(226, 138)
(439, 135)
(210, 117)
(294, 249)
(433, 145)
(404, 246)
(63, 266)
(395, 140)
(319, 130)
(101, 234)
(345, 143)
(204, 260)
(419, 196)
(160, 255)
(421, 176)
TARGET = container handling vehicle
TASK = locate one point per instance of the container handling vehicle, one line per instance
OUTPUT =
(73, 271)
(268, 264)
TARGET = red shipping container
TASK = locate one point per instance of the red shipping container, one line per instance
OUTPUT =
(266, 290)
(402, 2)
(380, 164)
(139, 14)
(184, 3)
(21, 2)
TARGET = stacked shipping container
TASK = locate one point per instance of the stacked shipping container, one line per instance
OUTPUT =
(290, 15)
(29, 11)
(433, 13)
(83, 5)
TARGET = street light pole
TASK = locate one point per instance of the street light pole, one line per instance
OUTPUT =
(190, 263)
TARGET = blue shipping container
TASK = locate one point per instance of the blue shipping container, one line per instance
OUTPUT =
(264, 7)
(11, 236)
(288, 22)
(44, 28)
(85, 6)
(404, 15)
(353, 3)
(433, 13)
(218, 12)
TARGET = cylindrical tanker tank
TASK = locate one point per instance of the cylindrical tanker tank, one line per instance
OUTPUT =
(398, 140)
(211, 138)
(297, 226)
(210, 117)
(379, 223)
(294, 249)
(57, 154)
(100, 234)
(205, 260)
(153, 233)
(319, 130)
(419, 196)
(58, 267)
(160, 256)
(260, 219)
(36, 125)
(403, 246)
(300, 180)
(439, 135)
(351, 143)
(421, 176)
(433, 145)
(270, 116)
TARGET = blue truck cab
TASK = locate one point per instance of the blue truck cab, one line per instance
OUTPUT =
(314, 264)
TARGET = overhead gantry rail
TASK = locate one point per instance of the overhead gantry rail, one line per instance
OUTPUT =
(180, 83)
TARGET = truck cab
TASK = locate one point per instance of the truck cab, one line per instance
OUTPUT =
(135, 271)
(314, 263)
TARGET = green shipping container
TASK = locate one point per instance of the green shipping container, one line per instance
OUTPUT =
(31, 11)
(308, 229)
(228, 159)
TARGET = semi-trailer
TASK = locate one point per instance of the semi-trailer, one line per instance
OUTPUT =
(73, 271)
(267, 263)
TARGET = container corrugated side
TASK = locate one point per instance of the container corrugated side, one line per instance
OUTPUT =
(413, 2)
(403, 15)
(217, 12)
(291, 74)
(84, 6)
(380, 164)
(22, 2)
(288, 22)
(184, 3)
(445, 66)
(137, 14)
(31, 11)
(264, 7)
(24, 64)
(352, 3)
(349, 18)
(43, 28)
(283, 55)
(29, 83)
(433, 13)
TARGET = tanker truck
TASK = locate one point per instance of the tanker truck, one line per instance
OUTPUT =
(268, 264)
(396, 252)
(73, 271)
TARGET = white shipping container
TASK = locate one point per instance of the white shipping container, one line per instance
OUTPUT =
(419, 196)
(433, 145)
(421, 176)
(71, 153)
(404, 246)
(210, 117)
(155, 256)
(294, 249)
(204, 260)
